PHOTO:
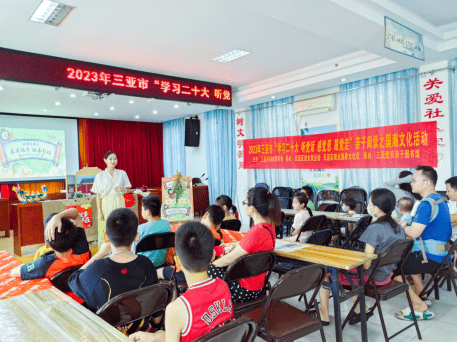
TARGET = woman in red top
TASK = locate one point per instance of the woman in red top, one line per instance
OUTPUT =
(265, 210)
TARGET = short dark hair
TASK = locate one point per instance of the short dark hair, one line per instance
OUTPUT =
(64, 240)
(308, 190)
(194, 246)
(266, 204)
(109, 153)
(225, 200)
(122, 227)
(452, 182)
(152, 203)
(216, 214)
(405, 186)
(349, 202)
(405, 204)
(429, 173)
(302, 198)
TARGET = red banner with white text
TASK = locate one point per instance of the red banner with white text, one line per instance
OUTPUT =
(397, 146)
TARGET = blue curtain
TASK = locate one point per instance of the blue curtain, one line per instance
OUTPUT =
(386, 104)
(174, 152)
(454, 117)
(271, 120)
(220, 152)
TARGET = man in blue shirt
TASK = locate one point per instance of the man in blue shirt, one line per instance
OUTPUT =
(433, 225)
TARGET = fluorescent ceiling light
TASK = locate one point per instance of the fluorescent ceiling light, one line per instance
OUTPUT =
(57, 103)
(1, 88)
(111, 108)
(176, 106)
(137, 117)
(342, 80)
(45, 110)
(131, 102)
(233, 55)
(51, 13)
(155, 112)
(73, 95)
(95, 114)
(273, 97)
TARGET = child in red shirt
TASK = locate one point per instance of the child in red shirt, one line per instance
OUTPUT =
(206, 304)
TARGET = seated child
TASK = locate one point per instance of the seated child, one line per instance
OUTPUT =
(101, 279)
(206, 304)
(308, 191)
(150, 211)
(405, 207)
(226, 204)
(212, 219)
(347, 205)
(70, 248)
(299, 203)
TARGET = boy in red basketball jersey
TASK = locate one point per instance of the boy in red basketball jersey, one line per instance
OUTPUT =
(206, 304)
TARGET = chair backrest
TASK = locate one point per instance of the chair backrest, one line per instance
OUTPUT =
(60, 280)
(251, 265)
(262, 185)
(285, 202)
(312, 223)
(321, 237)
(156, 241)
(196, 180)
(137, 304)
(330, 207)
(240, 330)
(231, 224)
(328, 195)
(298, 190)
(359, 195)
(357, 232)
(279, 229)
(283, 191)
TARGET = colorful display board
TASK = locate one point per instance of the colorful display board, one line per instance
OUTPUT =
(397, 146)
(177, 198)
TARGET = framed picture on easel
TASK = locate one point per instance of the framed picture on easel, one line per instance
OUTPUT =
(70, 186)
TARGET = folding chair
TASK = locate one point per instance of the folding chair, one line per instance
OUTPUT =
(358, 194)
(328, 197)
(240, 330)
(60, 280)
(396, 253)
(312, 224)
(352, 240)
(444, 271)
(262, 185)
(135, 305)
(279, 321)
(245, 267)
(231, 224)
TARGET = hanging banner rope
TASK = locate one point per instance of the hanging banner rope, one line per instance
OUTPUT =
(397, 146)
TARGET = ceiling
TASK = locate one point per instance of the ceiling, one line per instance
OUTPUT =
(295, 47)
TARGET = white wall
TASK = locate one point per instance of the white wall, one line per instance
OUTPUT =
(196, 156)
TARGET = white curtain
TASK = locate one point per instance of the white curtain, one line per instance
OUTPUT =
(389, 103)
(268, 121)
(174, 152)
(454, 118)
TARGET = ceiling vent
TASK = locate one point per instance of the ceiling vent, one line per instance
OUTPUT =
(96, 96)
(51, 13)
(312, 106)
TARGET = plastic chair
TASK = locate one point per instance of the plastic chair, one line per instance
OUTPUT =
(352, 240)
(312, 224)
(248, 266)
(283, 191)
(262, 185)
(231, 224)
(60, 280)
(328, 207)
(280, 321)
(321, 237)
(359, 195)
(396, 253)
(240, 330)
(445, 271)
(327, 196)
(137, 304)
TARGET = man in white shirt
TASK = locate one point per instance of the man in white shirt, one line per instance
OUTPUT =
(451, 188)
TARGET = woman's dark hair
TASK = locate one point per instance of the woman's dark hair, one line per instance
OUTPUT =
(66, 238)
(407, 186)
(303, 199)
(152, 203)
(266, 204)
(225, 200)
(384, 199)
(110, 153)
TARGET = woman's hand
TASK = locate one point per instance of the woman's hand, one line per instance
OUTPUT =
(100, 216)
(120, 190)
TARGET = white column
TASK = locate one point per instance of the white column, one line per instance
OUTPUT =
(434, 106)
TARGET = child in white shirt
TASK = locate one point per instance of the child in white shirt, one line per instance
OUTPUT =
(299, 204)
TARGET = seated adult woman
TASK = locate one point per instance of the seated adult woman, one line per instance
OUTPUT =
(264, 208)
(377, 237)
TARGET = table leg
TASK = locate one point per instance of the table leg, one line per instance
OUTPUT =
(336, 305)
(363, 315)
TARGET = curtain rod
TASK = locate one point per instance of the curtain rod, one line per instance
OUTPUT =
(348, 90)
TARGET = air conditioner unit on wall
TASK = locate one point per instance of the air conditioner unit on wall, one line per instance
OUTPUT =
(317, 105)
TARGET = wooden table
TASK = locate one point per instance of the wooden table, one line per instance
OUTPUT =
(51, 315)
(5, 216)
(336, 259)
(341, 216)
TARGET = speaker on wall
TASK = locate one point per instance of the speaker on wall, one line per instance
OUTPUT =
(192, 137)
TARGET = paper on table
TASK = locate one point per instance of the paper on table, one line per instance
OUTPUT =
(285, 246)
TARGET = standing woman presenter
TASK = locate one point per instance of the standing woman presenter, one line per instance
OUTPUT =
(110, 186)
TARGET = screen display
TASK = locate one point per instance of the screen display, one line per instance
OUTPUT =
(33, 68)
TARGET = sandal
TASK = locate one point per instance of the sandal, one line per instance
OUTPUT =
(407, 315)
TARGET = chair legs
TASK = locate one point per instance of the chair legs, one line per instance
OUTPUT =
(413, 314)
(318, 316)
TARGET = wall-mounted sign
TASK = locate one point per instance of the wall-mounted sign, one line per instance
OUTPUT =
(41, 69)
(401, 39)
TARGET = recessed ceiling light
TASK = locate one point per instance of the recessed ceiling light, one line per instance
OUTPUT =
(95, 114)
(73, 95)
(57, 103)
(155, 112)
(131, 102)
(176, 106)
(232, 55)
(45, 110)
(111, 108)
(1, 88)
(51, 13)
(342, 80)
(273, 97)
(137, 117)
